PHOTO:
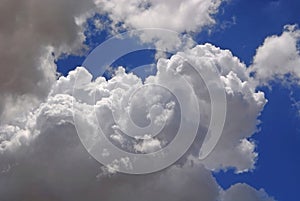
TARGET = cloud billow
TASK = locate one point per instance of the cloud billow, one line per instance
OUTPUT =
(30, 142)
(41, 156)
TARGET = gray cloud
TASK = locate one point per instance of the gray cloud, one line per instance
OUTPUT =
(244, 192)
(29, 32)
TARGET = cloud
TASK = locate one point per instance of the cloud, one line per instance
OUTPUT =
(33, 30)
(278, 57)
(43, 158)
(57, 167)
(244, 105)
(30, 32)
(190, 16)
(244, 192)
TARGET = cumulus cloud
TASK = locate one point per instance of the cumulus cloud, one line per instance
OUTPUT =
(234, 148)
(179, 16)
(42, 157)
(31, 31)
(244, 105)
(278, 56)
(191, 15)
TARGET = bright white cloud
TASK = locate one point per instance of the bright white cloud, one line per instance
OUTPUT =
(278, 56)
(243, 108)
(190, 15)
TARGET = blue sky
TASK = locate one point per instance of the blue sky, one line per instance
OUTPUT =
(242, 27)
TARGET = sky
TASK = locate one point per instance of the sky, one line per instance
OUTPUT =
(52, 104)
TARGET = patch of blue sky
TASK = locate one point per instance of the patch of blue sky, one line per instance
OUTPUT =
(94, 37)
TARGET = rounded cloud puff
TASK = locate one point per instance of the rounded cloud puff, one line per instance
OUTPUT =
(45, 140)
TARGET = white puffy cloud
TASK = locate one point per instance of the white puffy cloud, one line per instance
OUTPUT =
(233, 150)
(278, 56)
(190, 15)
(244, 105)
(42, 151)
(244, 192)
